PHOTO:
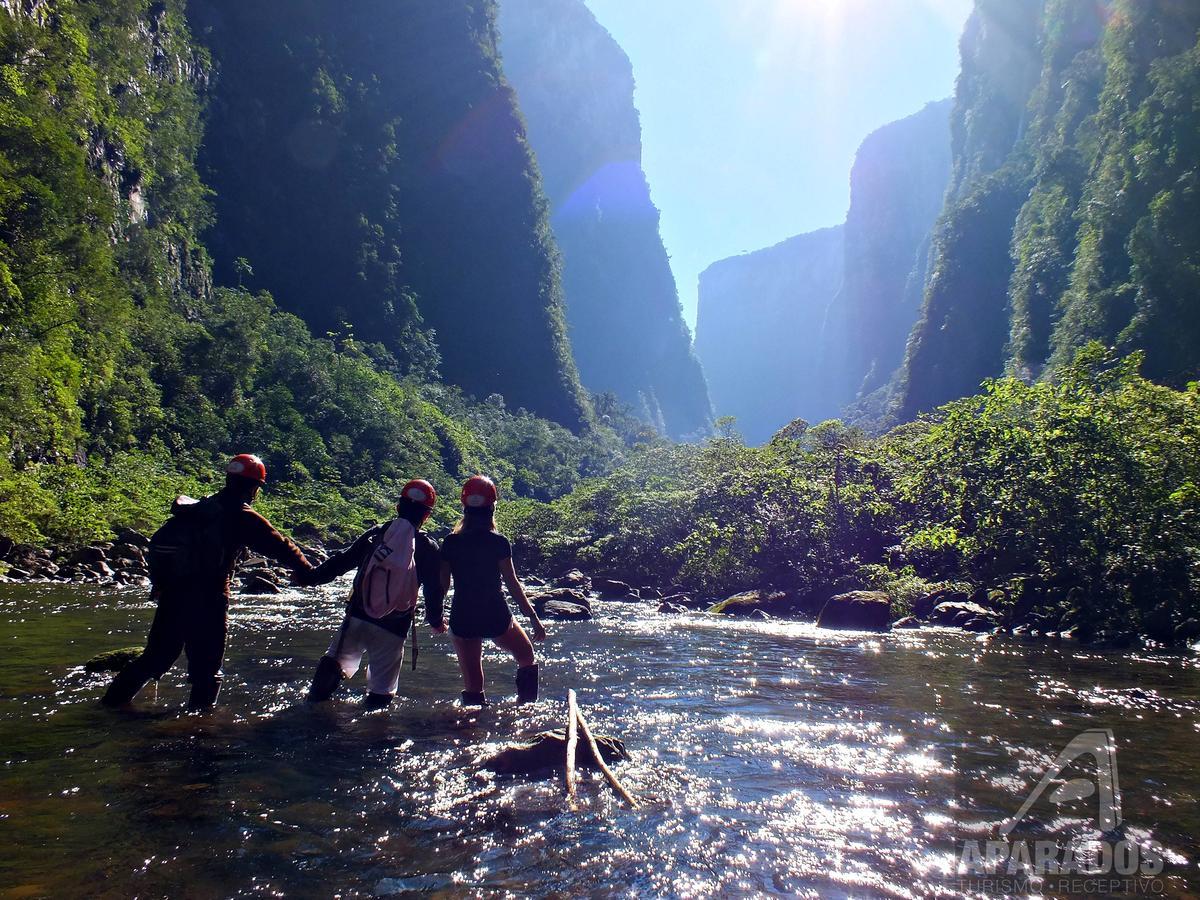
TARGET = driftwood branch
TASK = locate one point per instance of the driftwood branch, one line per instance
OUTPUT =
(608, 773)
(572, 742)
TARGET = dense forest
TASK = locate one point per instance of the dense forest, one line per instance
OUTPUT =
(127, 371)
(1072, 214)
(575, 86)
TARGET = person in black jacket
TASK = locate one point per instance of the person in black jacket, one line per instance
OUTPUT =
(193, 598)
(381, 639)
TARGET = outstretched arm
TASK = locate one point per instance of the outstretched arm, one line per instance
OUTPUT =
(509, 573)
(338, 564)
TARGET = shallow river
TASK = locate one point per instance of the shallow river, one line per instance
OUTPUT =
(772, 758)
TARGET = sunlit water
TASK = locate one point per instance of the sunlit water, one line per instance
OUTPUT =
(772, 758)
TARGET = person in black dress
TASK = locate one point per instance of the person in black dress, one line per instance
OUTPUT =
(476, 557)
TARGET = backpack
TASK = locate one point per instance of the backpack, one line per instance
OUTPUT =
(190, 545)
(387, 581)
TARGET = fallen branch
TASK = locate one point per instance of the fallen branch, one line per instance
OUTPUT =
(572, 742)
(608, 773)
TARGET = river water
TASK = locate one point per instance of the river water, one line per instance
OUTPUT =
(771, 758)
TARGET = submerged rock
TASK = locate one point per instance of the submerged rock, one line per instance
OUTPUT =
(907, 622)
(672, 608)
(569, 612)
(611, 589)
(748, 602)
(548, 751)
(112, 660)
(561, 595)
(858, 611)
(957, 613)
(258, 584)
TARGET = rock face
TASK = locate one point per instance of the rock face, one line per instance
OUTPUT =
(575, 86)
(1060, 227)
(370, 162)
(767, 333)
(897, 190)
(858, 611)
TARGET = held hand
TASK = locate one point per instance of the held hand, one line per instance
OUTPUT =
(539, 632)
(440, 628)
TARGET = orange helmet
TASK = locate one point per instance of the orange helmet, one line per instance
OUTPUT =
(479, 491)
(420, 491)
(248, 466)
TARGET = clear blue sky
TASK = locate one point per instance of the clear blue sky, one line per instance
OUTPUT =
(752, 109)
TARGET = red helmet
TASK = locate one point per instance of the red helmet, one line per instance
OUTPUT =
(248, 466)
(420, 491)
(479, 491)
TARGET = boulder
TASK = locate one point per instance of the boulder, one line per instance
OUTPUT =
(561, 595)
(745, 603)
(130, 552)
(978, 624)
(1187, 632)
(907, 622)
(547, 752)
(761, 615)
(611, 589)
(112, 660)
(567, 612)
(15, 573)
(925, 605)
(957, 613)
(132, 536)
(99, 569)
(672, 608)
(858, 611)
(258, 584)
(574, 579)
(90, 556)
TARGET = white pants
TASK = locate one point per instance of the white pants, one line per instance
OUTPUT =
(385, 653)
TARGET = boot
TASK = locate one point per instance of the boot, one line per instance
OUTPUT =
(204, 694)
(326, 679)
(377, 701)
(527, 684)
(474, 698)
(124, 687)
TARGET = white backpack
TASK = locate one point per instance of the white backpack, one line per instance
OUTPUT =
(388, 582)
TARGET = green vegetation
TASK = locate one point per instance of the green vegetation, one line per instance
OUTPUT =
(1073, 217)
(1078, 500)
(126, 376)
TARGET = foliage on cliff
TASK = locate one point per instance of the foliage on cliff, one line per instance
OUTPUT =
(370, 163)
(1079, 497)
(575, 86)
(1073, 215)
(124, 375)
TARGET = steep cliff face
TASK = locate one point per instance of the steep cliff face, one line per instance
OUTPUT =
(575, 86)
(769, 333)
(897, 189)
(1073, 212)
(370, 164)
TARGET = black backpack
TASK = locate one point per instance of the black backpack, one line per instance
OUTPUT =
(190, 545)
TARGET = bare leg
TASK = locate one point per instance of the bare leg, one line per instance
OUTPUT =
(516, 642)
(470, 662)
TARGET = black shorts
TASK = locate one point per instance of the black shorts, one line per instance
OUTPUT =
(480, 621)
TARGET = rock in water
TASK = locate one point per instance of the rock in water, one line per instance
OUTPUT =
(750, 602)
(113, 660)
(570, 612)
(561, 595)
(858, 611)
(548, 750)
(956, 613)
(258, 584)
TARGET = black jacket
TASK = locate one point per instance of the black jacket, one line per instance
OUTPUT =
(428, 561)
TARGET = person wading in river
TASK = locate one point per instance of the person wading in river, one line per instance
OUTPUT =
(192, 558)
(392, 559)
(476, 557)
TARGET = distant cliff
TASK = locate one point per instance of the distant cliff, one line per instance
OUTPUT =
(768, 332)
(822, 319)
(575, 86)
(370, 164)
(897, 189)
(1076, 197)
